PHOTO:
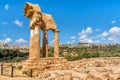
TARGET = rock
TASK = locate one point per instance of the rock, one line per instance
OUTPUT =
(47, 75)
(76, 78)
(114, 76)
(51, 78)
(68, 76)
(92, 77)
(59, 78)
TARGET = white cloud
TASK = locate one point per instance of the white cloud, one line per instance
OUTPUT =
(6, 7)
(18, 23)
(51, 42)
(4, 23)
(115, 31)
(72, 37)
(89, 30)
(97, 41)
(72, 41)
(85, 32)
(114, 21)
(86, 40)
(83, 35)
(6, 40)
(21, 40)
(114, 34)
(104, 38)
(113, 39)
(104, 34)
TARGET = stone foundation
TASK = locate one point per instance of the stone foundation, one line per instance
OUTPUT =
(44, 64)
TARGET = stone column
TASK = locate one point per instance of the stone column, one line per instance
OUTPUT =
(45, 43)
(56, 44)
(31, 47)
(34, 52)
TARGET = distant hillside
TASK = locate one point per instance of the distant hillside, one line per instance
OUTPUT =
(78, 51)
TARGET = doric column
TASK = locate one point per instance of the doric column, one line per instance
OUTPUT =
(31, 47)
(45, 43)
(56, 44)
(34, 52)
(37, 42)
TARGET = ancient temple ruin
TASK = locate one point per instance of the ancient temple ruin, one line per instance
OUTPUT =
(40, 21)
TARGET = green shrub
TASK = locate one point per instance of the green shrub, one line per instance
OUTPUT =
(96, 54)
(17, 59)
(87, 55)
(72, 58)
(50, 54)
(20, 67)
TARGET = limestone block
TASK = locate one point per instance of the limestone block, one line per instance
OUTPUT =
(59, 78)
(68, 76)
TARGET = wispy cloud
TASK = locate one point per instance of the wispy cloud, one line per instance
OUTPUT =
(6, 40)
(6, 7)
(104, 34)
(18, 23)
(97, 41)
(72, 40)
(21, 40)
(51, 43)
(113, 21)
(4, 23)
(72, 37)
(4, 35)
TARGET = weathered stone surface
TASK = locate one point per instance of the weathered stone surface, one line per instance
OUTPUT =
(45, 64)
(67, 76)
(45, 43)
(59, 78)
(50, 68)
(49, 22)
(39, 21)
(56, 44)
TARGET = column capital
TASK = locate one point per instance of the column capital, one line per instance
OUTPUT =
(56, 30)
(45, 29)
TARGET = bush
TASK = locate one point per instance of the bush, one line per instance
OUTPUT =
(8, 55)
(95, 54)
(72, 58)
(87, 55)
(17, 59)
(50, 54)
(20, 67)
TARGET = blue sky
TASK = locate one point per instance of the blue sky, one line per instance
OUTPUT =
(84, 21)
